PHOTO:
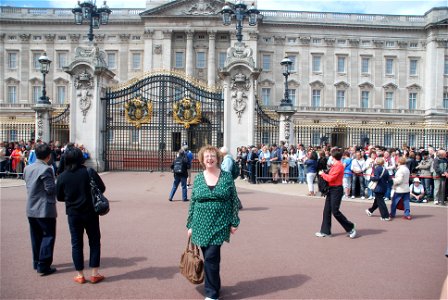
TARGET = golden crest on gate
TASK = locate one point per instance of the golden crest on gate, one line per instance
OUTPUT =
(187, 112)
(138, 111)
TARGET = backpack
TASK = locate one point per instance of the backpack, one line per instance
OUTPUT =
(235, 169)
(180, 165)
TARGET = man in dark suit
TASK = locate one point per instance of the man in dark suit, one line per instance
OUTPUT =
(41, 209)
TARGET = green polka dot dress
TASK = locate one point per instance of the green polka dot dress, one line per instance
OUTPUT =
(213, 211)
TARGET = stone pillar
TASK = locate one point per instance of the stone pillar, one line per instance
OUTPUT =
(42, 122)
(286, 127)
(166, 54)
(147, 64)
(189, 54)
(211, 71)
(238, 76)
(90, 76)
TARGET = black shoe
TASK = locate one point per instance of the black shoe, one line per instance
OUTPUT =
(186, 200)
(48, 271)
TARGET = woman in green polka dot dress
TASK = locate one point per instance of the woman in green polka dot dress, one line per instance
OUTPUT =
(213, 214)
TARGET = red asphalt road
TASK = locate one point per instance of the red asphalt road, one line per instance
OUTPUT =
(274, 254)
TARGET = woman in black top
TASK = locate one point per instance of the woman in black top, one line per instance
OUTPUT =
(73, 188)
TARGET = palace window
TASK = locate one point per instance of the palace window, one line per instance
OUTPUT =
(389, 66)
(111, 59)
(292, 96)
(266, 96)
(60, 94)
(412, 139)
(266, 60)
(293, 67)
(413, 45)
(315, 98)
(36, 93)
(390, 44)
(388, 100)
(365, 65)
(315, 138)
(222, 59)
(136, 61)
(12, 60)
(36, 63)
(200, 60)
(341, 64)
(445, 69)
(340, 99)
(365, 99)
(317, 66)
(413, 67)
(179, 60)
(412, 100)
(61, 59)
(387, 140)
(12, 94)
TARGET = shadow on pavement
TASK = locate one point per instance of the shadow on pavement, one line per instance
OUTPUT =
(161, 273)
(119, 262)
(260, 287)
(255, 208)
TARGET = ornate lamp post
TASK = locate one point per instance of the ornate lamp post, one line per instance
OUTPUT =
(44, 68)
(240, 12)
(87, 10)
(286, 109)
(286, 65)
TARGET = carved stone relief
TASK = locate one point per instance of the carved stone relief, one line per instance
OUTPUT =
(202, 8)
(158, 49)
(239, 87)
(239, 52)
(83, 85)
(40, 125)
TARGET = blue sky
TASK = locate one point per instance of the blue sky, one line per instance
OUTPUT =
(397, 7)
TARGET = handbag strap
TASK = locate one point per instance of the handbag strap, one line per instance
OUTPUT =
(382, 173)
(192, 247)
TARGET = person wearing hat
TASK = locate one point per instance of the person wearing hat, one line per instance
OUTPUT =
(417, 191)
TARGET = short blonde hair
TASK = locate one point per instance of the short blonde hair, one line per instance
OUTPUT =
(402, 160)
(209, 148)
(379, 161)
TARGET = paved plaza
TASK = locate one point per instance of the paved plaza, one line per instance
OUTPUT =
(274, 254)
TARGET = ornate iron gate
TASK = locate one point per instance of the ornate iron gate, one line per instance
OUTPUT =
(59, 126)
(149, 119)
(266, 127)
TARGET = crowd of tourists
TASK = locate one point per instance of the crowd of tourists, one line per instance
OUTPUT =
(298, 164)
(15, 156)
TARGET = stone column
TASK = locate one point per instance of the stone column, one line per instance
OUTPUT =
(211, 71)
(166, 54)
(147, 64)
(90, 76)
(189, 54)
(42, 122)
(238, 76)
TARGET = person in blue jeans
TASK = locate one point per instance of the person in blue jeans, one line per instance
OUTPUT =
(179, 168)
(348, 175)
(301, 157)
(401, 188)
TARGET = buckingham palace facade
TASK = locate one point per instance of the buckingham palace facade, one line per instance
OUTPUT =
(356, 78)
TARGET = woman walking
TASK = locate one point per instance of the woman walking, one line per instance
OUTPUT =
(213, 215)
(73, 188)
(381, 176)
(311, 170)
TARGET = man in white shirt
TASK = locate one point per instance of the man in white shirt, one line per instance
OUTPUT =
(358, 167)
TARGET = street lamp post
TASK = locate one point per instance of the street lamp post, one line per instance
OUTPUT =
(240, 12)
(44, 68)
(87, 10)
(286, 65)
(286, 109)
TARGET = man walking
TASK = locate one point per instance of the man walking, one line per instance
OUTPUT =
(334, 198)
(41, 209)
(228, 165)
(440, 166)
(189, 156)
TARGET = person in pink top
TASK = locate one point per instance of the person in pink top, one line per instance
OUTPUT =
(334, 198)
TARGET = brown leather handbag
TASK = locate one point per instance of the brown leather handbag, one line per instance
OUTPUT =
(191, 264)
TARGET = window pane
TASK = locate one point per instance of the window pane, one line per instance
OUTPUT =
(222, 59)
(266, 96)
(388, 103)
(316, 63)
(341, 64)
(292, 96)
(446, 66)
(293, 58)
(12, 60)
(36, 93)
(36, 63)
(364, 99)
(412, 100)
(12, 94)
(60, 95)
(340, 99)
(413, 67)
(445, 100)
(179, 60)
(111, 60)
(62, 60)
(136, 61)
(315, 101)
(365, 65)
(266, 62)
(389, 66)
(200, 60)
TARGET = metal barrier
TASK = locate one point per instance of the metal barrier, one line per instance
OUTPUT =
(263, 172)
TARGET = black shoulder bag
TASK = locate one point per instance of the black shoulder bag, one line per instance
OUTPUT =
(100, 202)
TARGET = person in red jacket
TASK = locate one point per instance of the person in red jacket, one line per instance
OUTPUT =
(334, 198)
